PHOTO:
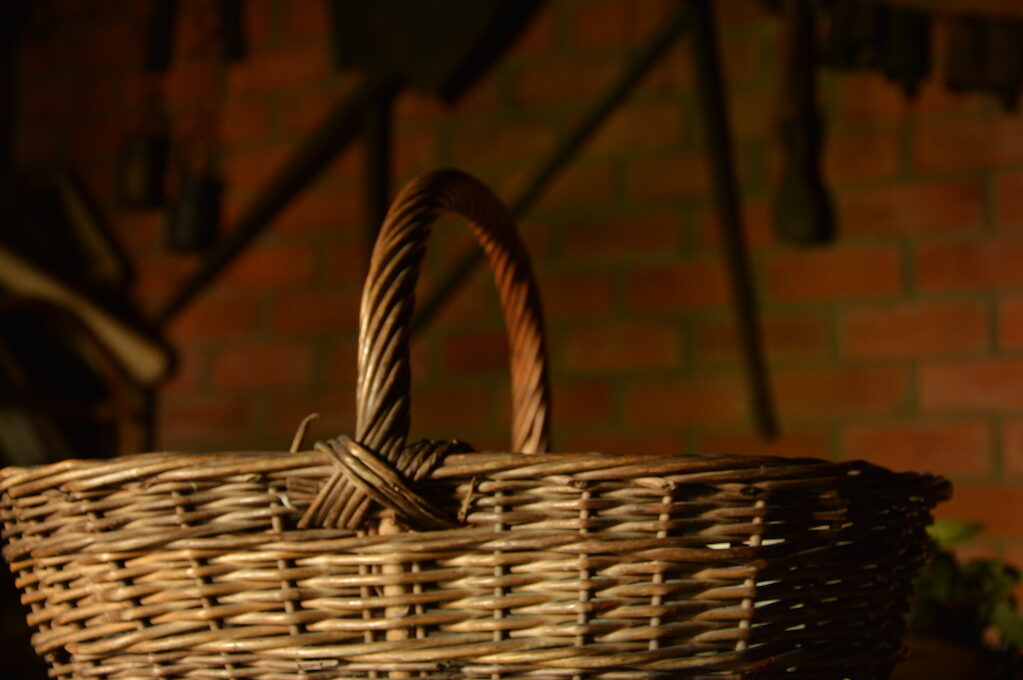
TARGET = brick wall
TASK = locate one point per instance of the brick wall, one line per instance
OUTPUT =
(902, 344)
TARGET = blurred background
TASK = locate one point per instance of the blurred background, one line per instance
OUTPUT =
(760, 227)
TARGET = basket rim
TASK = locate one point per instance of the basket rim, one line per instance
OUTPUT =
(584, 467)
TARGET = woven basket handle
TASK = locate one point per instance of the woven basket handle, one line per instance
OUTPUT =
(382, 400)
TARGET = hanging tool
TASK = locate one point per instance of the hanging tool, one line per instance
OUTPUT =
(462, 42)
(142, 165)
(907, 53)
(1004, 63)
(193, 221)
(803, 213)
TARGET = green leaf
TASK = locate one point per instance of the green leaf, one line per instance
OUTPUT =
(948, 533)
(1009, 623)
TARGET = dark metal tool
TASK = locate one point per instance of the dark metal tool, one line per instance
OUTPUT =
(714, 116)
(194, 218)
(142, 164)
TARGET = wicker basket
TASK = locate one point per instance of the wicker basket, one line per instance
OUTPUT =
(370, 558)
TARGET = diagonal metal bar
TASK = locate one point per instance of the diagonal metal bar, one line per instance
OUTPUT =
(569, 147)
(714, 115)
(305, 163)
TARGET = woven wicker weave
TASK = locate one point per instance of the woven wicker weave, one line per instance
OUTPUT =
(583, 565)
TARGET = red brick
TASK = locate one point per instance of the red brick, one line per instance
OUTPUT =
(216, 318)
(566, 80)
(588, 185)
(740, 12)
(306, 21)
(640, 127)
(741, 54)
(485, 96)
(415, 151)
(685, 400)
(871, 97)
(715, 340)
(342, 360)
(197, 417)
(757, 223)
(105, 45)
(1012, 447)
(418, 107)
(319, 210)
(316, 311)
(912, 208)
(270, 267)
(568, 295)
(336, 409)
(347, 263)
(954, 449)
(249, 170)
(582, 402)
(995, 506)
(304, 111)
(445, 412)
(840, 392)
(280, 70)
(852, 155)
(542, 35)
(260, 22)
(667, 178)
(652, 15)
(266, 365)
(620, 346)
(1010, 322)
(842, 273)
(970, 265)
(608, 23)
(751, 114)
(158, 275)
(620, 237)
(474, 351)
(495, 142)
(910, 330)
(632, 442)
(790, 444)
(982, 385)
(1009, 200)
(474, 302)
(186, 83)
(95, 138)
(960, 144)
(138, 232)
(243, 121)
(674, 73)
(689, 284)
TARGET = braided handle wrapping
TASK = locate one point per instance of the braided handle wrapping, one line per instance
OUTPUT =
(384, 382)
